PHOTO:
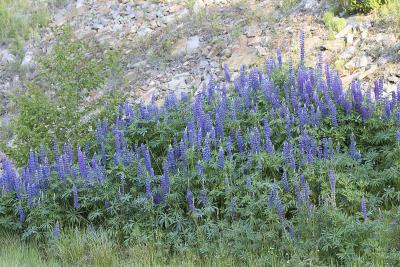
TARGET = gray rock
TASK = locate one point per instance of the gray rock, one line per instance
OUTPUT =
(349, 39)
(348, 53)
(198, 6)
(28, 61)
(143, 31)
(179, 81)
(358, 62)
(253, 31)
(334, 45)
(344, 32)
(309, 4)
(186, 46)
(7, 57)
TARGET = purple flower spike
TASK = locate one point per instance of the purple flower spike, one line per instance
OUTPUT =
(353, 150)
(207, 150)
(221, 158)
(200, 171)
(21, 214)
(267, 132)
(76, 200)
(302, 47)
(249, 183)
(227, 74)
(364, 208)
(189, 198)
(279, 56)
(146, 157)
(148, 188)
(332, 182)
(285, 182)
(82, 163)
(57, 231)
(239, 138)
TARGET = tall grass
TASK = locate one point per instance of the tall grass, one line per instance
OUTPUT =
(20, 19)
(96, 248)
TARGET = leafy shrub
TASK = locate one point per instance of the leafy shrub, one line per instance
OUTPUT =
(285, 167)
(55, 106)
(357, 6)
(334, 23)
(37, 121)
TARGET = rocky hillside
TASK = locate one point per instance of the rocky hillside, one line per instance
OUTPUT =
(177, 45)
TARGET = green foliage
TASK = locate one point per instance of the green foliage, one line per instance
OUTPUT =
(19, 19)
(356, 6)
(389, 14)
(55, 107)
(334, 23)
(37, 121)
(239, 224)
(327, 236)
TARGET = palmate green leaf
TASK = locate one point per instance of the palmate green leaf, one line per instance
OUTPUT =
(95, 215)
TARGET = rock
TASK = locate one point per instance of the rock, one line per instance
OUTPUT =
(226, 53)
(59, 19)
(28, 60)
(168, 19)
(349, 39)
(261, 51)
(364, 33)
(358, 62)
(179, 81)
(309, 4)
(7, 57)
(254, 41)
(198, 6)
(348, 53)
(265, 40)
(383, 60)
(368, 72)
(148, 95)
(344, 32)
(242, 55)
(253, 31)
(333, 45)
(193, 44)
(144, 31)
(186, 46)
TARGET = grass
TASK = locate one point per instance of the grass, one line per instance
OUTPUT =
(14, 253)
(95, 248)
(288, 5)
(19, 20)
(334, 24)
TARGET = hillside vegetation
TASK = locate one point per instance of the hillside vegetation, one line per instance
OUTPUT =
(282, 164)
(127, 143)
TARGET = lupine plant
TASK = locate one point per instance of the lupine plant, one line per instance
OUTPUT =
(279, 160)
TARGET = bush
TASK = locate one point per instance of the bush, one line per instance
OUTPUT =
(334, 23)
(285, 167)
(55, 105)
(357, 6)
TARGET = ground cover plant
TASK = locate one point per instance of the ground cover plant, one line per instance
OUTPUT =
(280, 166)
